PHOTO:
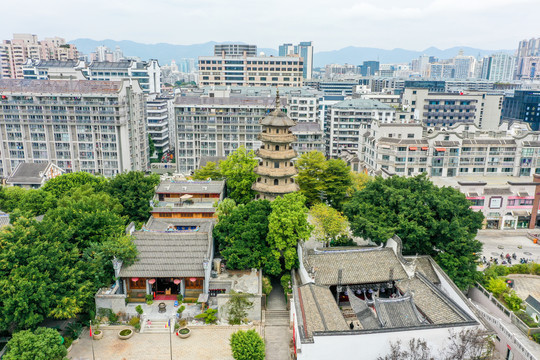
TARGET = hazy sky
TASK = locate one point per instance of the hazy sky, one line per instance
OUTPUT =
(330, 24)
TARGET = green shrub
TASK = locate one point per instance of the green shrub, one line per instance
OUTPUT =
(266, 286)
(180, 298)
(286, 283)
(184, 331)
(536, 337)
(67, 342)
(134, 321)
(149, 298)
(513, 301)
(74, 330)
(519, 269)
(526, 318)
(125, 332)
(535, 269)
(208, 316)
(181, 309)
(247, 345)
(237, 307)
(342, 240)
(139, 309)
(497, 286)
(113, 318)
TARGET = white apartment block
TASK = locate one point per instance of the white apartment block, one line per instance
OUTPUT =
(147, 73)
(15, 52)
(217, 122)
(282, 71)
(446, 109)
(157, 112)
(462, 150)
(347, 121)
(93, 126)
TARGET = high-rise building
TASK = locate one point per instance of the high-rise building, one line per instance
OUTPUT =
(463, 66)
(523, 105)
(499, 67)
(446, 109)
(157, 113)
(276, 168)
(93, 126)
(15, 52)
(305, 50)
(239, 50)
(369, 68)
(441, 70)
(250, 70)
(528, 60)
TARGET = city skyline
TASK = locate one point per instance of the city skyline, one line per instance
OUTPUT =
(346, 23)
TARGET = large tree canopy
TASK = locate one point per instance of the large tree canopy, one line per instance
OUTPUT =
(328, 222)
(63, 184)
(134, 190)
(238, 170)
(287, 224)
(241, 237)
(42, 344)
(322, 180)
(430, 220)
(209, 171)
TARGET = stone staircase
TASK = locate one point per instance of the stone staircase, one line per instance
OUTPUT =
(277, 317)
(157, 327)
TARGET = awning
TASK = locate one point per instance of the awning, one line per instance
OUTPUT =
(440, 149)
(523, 194)
(521, 213)
(413, 148)
(472, 194)
(186, 196)
(424, 148)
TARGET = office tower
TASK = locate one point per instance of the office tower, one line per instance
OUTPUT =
(523, 105)
(528, 60)
(369, 68)
(238, 50)
(93, 126)
(15, 52)
(463, 66)
(499, 67)
(305, 50)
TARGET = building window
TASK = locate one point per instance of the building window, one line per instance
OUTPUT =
(276, 182)
(477, 202)
(276, 164)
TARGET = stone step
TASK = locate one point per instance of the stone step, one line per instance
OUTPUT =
(277, 322)
(156, 327)
(277, 313)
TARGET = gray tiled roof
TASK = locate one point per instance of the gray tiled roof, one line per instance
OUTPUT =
(216, 159)
(28, 173)
(320, 310)
(192, 187)
(398, 312)
(370, 265)
(423, 265)
(169, 254)
(431, 302)
(277, 118)
(311, 127)
(535, 304)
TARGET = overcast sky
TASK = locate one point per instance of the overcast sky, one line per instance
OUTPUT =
(330, 24)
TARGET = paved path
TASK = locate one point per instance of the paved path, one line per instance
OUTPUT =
(526, 285)
(205, 343)
(509, 240)
(276, 332)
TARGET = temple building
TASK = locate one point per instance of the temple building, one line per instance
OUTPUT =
(276, 168)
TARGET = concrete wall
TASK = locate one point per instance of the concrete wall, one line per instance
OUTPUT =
(253, 313)
(115, 302)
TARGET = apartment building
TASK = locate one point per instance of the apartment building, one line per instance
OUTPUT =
(528, 60)
(93, 126)
(217, 122)
(15, 52)
(446, 109)
(347, 121)
(524, 106)
(305, 50)
(282, 71)
(147, 73)
(238, 50)
(499, 67)
(157, 112)
(462, 150)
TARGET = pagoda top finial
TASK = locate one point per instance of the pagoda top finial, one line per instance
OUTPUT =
(278, 103)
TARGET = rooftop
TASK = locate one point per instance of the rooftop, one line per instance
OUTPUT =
(277, 118)
(254, 101)
(311, 127)
(170, 254)
(191, 187)
(59, 86)
(28, 174)
(533, 302)
(362, 104)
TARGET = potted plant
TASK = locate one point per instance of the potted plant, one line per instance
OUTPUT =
(96, 333)
(183, 333)
(149, 300)
(139, 310)
(180, 310)
(125, 334)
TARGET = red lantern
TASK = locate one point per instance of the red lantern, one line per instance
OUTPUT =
(151, 281)
(134, 279)
(177, 281)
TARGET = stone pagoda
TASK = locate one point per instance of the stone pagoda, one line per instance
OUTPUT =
(276, 169)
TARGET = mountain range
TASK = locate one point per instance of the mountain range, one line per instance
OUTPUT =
(352, 55)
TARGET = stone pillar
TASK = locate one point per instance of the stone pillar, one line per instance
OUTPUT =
(536, 202)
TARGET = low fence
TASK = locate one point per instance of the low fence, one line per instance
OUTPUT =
(160, 168)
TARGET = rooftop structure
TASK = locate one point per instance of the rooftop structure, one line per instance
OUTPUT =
(33, 175)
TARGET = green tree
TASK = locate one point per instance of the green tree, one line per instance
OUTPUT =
(287, 224)
(359, 181)
(241, 237)
(328, 222)
(430, 220)
(497, 286)
(64, 184)
(42, 344)
(134, 190)
(310, 178)
(513, 301)
(37, 202)
(238, 170)
(337, 182)
(11, 198)
(225, 207)
(247, 345)
(209, 171)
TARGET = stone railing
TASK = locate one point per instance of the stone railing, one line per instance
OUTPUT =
(160, 168)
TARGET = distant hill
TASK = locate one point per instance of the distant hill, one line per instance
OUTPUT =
(162, 51)
(352, 55)
(356, 55)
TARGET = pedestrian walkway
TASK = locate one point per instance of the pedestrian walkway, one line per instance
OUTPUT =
(276, 334)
